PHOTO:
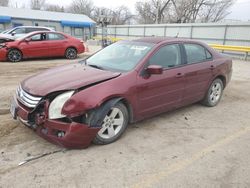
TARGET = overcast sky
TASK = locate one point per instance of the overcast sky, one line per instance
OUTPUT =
(239, 11)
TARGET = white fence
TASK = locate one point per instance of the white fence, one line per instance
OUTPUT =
(218, 33)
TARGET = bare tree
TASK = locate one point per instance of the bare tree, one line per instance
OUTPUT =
(122, 15)
(98, 11)
(37, 4)
(215, 10)
(186, 10)
(54, 8)
(182, 11)
(144, 12)
(152, 11)
(82, 7)
(4, 3)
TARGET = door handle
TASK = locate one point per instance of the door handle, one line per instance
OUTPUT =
(212, 67)
(179, 75)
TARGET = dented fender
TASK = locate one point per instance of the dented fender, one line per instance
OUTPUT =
(93, 97)
(100, 113)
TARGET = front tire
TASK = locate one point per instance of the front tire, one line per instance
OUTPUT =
(71, 53)
(214, 93)
(14, 55)
(113, 125)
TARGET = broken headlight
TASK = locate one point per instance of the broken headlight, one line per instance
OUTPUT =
(55, 107)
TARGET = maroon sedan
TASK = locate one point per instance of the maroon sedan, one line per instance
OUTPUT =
(41, 44)
(94, 100)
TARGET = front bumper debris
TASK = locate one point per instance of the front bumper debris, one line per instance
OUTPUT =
(68, 135)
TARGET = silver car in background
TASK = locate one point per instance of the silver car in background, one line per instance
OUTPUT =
(20, 31)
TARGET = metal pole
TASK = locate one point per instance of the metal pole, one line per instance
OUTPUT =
(102, 34)
(165, 31)
(225, 35)
(191, 32)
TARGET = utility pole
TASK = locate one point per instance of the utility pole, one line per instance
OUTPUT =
(104, 21)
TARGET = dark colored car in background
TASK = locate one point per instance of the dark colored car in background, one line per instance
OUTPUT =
(41, 44)
(93, 101)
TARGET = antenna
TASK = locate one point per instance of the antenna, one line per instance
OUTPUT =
(177, 35)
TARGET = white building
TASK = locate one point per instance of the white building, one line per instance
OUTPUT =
(78, 25)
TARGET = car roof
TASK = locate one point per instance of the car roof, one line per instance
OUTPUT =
(37, 32)
(32, 27)
(156, 40)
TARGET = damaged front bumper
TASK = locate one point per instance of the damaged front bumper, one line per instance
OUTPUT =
(65, 134)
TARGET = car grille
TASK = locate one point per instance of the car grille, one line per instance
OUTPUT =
(27, 99)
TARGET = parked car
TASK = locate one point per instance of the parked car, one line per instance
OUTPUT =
(41, 44)
(6, 39)
(20, 31)
(94, 100)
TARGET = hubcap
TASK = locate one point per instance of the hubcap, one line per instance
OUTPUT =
(112, 124)
(215, 92)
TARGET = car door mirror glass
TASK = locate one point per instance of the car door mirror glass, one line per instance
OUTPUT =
(13, 33)
(154, 69)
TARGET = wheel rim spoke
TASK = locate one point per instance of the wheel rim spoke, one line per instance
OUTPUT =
(103, 129)
(111, 131)
(118, 122)
(114, 112)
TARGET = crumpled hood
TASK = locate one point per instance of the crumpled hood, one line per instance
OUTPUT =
(67, 77)
(6, 38)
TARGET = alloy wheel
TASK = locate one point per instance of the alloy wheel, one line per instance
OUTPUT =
(71, 53)
(112, 124)
(14, 55)
(215, 92)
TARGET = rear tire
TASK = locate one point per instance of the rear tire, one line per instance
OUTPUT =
(14, 55)
(214, 93)
(71, 53)
(113, 125)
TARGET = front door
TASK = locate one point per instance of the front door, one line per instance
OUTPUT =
(37, 46)
(163, 92)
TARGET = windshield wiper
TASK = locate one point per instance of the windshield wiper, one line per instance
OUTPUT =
(96, 66)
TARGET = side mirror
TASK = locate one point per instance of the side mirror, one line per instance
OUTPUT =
(154, 69)
(27, 39)
(13, 33)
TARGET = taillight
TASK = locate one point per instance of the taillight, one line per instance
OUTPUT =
(86, 49)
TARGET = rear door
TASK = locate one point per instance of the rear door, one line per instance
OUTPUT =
(162, 92)
(199, 71)
(57, 44)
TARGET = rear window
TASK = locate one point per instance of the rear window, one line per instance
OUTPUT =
(196, 53)
(55, 36)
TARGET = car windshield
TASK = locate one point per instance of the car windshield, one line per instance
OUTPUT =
(121, 56)
(6, 31)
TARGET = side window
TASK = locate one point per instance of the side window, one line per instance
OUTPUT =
(54, 36)
(38, 37)
(167, 56)
(196, 53)
(19, 31)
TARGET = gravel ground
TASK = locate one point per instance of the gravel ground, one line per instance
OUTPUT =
(194, 146)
